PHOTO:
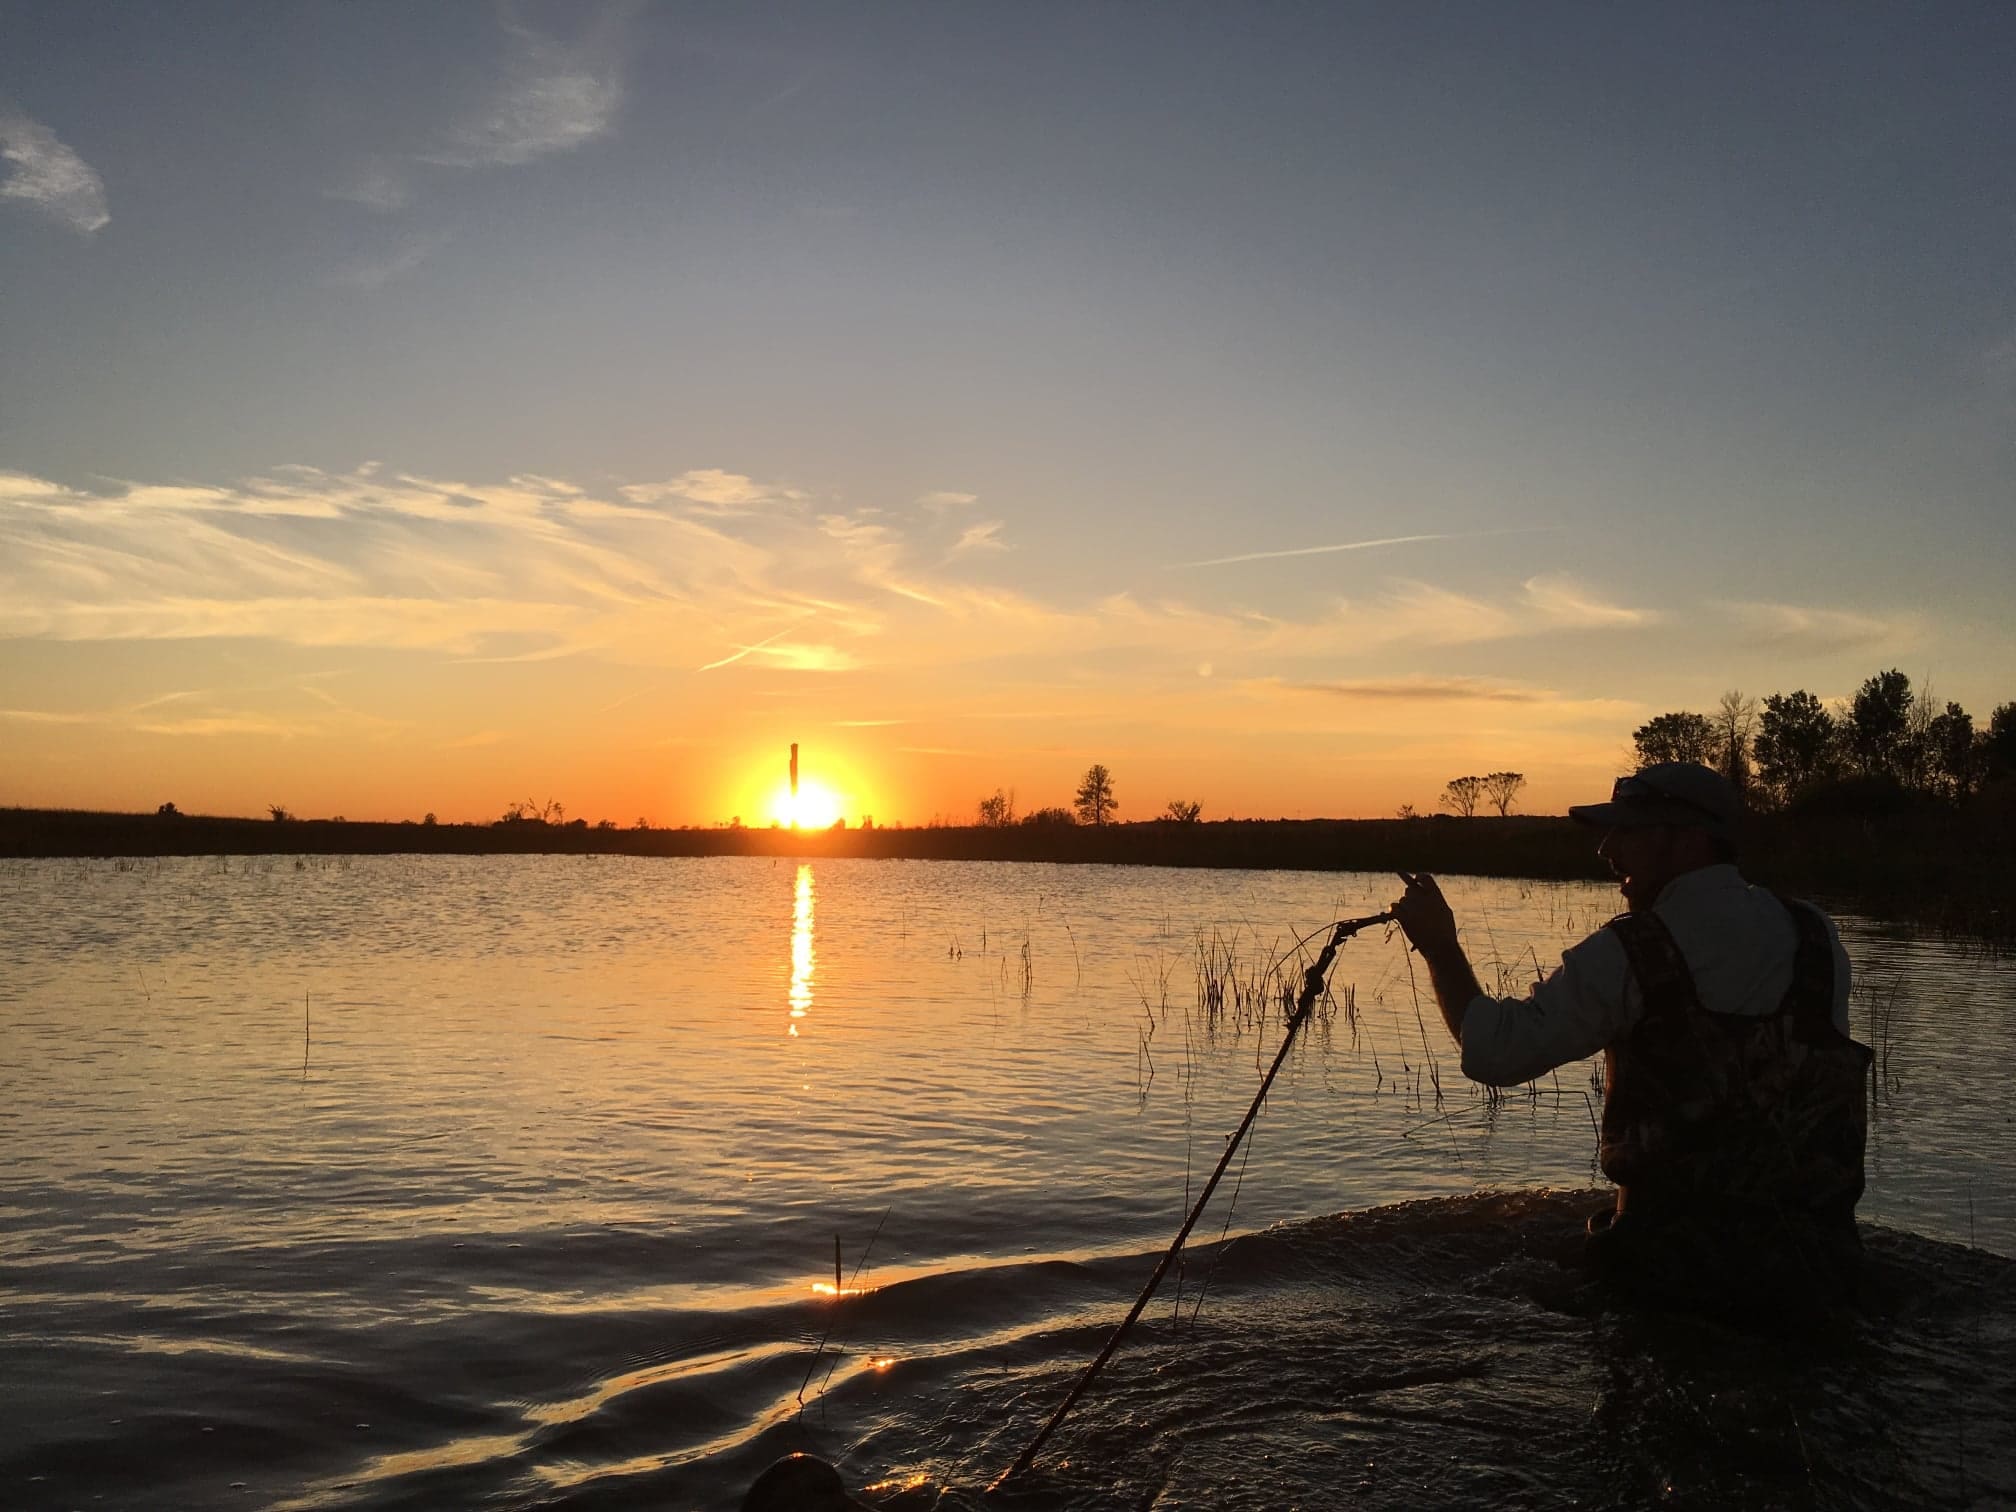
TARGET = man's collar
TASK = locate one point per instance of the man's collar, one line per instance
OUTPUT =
(1719, 877)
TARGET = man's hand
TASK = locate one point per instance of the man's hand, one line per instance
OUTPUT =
(1424, 915)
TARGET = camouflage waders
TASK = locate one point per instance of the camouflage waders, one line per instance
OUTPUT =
(1735, 1140)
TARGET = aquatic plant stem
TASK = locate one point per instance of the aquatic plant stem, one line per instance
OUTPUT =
(1312, 989)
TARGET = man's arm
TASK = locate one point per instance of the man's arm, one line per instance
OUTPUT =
(1430, 926)
(1574, 1012)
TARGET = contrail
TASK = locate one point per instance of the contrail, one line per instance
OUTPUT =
(737, 656)
(1406, 540)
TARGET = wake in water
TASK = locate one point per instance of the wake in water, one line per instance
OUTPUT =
(1447, 1353)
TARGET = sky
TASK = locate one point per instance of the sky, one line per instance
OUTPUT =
(426, 409)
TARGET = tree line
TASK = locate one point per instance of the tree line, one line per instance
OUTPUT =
(1792, 749)
(1093, 803)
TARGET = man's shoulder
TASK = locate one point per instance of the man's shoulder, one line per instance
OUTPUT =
(1600, 945)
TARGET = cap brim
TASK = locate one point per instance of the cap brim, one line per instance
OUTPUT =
(1645, 816)
(1630, 815)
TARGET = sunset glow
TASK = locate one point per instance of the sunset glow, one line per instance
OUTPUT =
(815, 807)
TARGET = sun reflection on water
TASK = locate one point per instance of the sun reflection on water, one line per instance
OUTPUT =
(801, 946)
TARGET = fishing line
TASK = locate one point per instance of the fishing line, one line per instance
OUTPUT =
(834, 1318)
(1313, 981)
(1239, 1181)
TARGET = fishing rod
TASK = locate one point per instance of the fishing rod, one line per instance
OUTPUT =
(1312, 989)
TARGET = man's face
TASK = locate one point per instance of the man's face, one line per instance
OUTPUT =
(1642, 860)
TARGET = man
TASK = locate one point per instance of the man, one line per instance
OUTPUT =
(1734, 1101)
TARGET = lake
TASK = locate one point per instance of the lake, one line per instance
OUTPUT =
(435, 1181)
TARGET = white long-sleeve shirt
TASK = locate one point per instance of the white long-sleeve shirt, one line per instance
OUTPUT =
(1738, 943)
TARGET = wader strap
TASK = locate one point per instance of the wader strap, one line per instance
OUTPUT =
(1810, 998)
(1664, 981)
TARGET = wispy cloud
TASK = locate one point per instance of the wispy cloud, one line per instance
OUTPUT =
(1561, 600)
(224, 724)
(1430, 690)
(985, 536)
(942, 499)
(709, 570)
(808, 657)
(546, 98)
(48, 176)
(551, 98)
(215, 713)
(48, 716)
(1795, 625)
(1412, 610)
(377, 184)
(376, 272)
(715, 491)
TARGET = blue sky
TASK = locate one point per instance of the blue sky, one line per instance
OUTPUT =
(909, 358)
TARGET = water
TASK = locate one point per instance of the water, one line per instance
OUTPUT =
(427, 1182)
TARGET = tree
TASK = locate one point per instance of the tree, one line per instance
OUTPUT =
(1407, 812)
(1675, 737)
(279, 812)
(998, 811)
(1501, 790)
(1462, 796)
(1796, 746)
(1735, 723)
(429, 820)
(1879, 720)
(1094, 800)
(168, 811)
(1998, 743)
(1050, 818)
(1183, 811)
(1949, 740)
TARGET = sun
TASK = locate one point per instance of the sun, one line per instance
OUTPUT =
(816, 806)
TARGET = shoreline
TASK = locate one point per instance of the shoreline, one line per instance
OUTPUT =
(1943, 869)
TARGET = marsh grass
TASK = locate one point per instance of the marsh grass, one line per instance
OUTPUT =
(1877, 1005)
(1241, 983)
(1244, 986)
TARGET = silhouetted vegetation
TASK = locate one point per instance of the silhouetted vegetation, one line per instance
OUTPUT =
(1892, 803)
(1888, 745)
(1501, 790)
(1094, 801)
(1462, 795)
(530, 812)
(1675, 737)
(1943, 865)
